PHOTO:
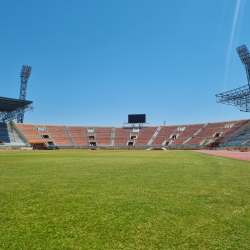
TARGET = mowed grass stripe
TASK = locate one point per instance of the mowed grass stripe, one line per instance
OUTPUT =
(123, 200)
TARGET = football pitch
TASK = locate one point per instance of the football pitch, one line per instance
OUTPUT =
(123, 200)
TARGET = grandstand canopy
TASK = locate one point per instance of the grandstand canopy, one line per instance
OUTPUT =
(10, 104)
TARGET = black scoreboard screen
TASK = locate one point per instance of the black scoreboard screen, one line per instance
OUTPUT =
(141, 118)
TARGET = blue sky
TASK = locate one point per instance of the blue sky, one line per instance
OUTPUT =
(96, 61)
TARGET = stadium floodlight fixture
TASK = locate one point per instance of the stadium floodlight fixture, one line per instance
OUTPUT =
(26, 70)
(245, 59)
(239, 97)
(244, 54)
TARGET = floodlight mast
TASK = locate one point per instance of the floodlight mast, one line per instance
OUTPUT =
(25, 74)
(239, 97)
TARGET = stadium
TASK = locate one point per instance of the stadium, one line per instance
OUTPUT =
(134, 134)
(193, 136)
(128, 185)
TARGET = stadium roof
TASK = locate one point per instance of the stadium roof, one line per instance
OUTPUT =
(10, 104)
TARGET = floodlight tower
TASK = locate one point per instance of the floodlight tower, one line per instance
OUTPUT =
(25, 74)
(239, 97)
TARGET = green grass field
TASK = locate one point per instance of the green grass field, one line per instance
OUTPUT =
(123, 200)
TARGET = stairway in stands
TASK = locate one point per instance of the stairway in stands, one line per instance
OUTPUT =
(69, 135)
(137, 133)
(154, 136)
(9, 136)
(49, 135)
(112, 141)
(197, 133)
